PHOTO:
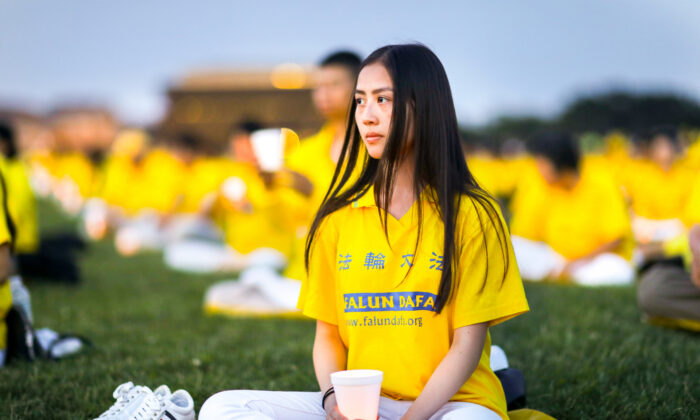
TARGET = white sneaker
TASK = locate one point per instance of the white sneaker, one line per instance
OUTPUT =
(176, 406)
(140, 403)
(128, 399)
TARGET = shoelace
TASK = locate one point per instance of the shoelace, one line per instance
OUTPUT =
(150, 409)
(122, 396)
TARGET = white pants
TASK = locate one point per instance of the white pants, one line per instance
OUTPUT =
(146, 231)
(537, 261)
(198, 256)
(260, 290)
(280, 405)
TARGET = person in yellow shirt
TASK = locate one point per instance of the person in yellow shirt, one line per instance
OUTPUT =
(317, 155)
(669, 286)
(248, 206)
(315, 159)
(657, 186)
(121, 174)
(21, 201)
(157, 194)
(6, 240)
(570, 222)
(411, 256)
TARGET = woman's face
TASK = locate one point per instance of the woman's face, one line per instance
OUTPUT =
(374, 97)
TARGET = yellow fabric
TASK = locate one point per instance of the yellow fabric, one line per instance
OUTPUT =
(529, 197)
(204, 176)
(362, 284)
(679, 246)
(43, 159)
(655, 193)
(685, 324)
(160, 187)
(22, 205)
(5, 294)
(575, 222)
(77, 168)
(262, 218)
(692, 155)
(120, 186)
(313, 160)
(691, 214)
(5, 305)
(528, 414)
(236, 311)
(489, 173)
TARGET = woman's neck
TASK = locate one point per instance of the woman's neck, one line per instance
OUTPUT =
(402, 195)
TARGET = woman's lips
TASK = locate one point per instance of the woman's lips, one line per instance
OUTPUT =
(372, 137)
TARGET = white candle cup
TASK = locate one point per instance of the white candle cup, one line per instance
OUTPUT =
(357, 392)
(268, 147)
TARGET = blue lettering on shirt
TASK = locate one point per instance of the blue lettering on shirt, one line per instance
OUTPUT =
(393, 301)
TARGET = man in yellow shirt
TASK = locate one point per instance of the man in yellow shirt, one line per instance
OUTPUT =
(317, 156)
(568, 221)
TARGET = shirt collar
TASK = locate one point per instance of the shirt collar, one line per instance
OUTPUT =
(367, 200)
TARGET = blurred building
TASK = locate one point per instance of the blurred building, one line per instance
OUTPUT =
(209, 103)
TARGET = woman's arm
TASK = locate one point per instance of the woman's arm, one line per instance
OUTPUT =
(453, 371)
(329, 356)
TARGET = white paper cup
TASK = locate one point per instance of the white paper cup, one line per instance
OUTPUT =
(268, 147)
(357, 392)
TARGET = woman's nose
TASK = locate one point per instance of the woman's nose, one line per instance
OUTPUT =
(369, 115)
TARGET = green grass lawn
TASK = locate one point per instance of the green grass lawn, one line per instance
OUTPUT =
(584, 352)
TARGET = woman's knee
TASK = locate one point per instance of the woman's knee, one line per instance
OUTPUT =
(224, 404)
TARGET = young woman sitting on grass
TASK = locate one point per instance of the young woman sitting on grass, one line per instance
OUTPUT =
(408, 266)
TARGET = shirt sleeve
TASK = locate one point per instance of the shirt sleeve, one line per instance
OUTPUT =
(317, 298)
(488, 285)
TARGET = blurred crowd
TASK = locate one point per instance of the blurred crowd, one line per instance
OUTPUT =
(605, 211)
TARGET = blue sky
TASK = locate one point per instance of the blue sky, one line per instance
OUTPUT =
(501, 56)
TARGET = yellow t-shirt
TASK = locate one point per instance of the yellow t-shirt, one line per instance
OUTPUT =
(655, 193)
(5, 294)
(489, 173)
(261, 218)
(384, 312)
(78, 169)
(313, 160)
(121, 175)
(691, 214)
(22, 205)
(204, 176)
(575, 222)
(161, 183)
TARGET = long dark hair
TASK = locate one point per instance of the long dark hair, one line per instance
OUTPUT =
(423, 110)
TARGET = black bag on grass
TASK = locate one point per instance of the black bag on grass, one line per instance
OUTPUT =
(21, 340)
(24, 344)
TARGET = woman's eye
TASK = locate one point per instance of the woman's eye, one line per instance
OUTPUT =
(360, 101)
(383, 99)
